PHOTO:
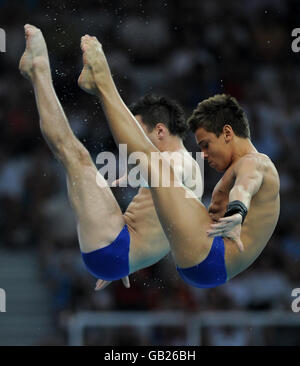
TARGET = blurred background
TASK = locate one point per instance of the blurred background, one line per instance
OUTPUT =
(188, 50)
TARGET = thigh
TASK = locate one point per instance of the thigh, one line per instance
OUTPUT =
(98, 214)
(185, 221)
(143, 252)
(183, 217)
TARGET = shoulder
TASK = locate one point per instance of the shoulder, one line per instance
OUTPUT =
(255, 161)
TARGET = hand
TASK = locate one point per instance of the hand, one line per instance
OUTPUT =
(101, 284)
(228, 227)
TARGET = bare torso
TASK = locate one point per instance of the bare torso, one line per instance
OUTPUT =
(147, 236)
(261, 219)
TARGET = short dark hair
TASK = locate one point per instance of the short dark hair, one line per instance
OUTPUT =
(214, 113)
(158, 109)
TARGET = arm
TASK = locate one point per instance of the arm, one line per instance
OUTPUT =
(249, 178)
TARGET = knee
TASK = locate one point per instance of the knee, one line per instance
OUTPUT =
(75, 153)
(81, 154)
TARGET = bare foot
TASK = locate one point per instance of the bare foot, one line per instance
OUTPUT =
(35, 56)
(86, 81)
(95, 64)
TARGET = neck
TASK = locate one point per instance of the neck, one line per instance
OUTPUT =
(242, 147)
(172, 144)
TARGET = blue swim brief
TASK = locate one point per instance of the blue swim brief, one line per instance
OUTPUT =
(112, 262)
(209, 273)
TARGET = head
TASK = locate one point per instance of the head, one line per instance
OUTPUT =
(219, 124)
(160, 118)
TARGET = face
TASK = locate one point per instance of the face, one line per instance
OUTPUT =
(217, 150)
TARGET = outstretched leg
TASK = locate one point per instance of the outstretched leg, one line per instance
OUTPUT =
(184, 220)
(98, 214)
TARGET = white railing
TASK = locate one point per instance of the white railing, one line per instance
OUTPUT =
(193, 323)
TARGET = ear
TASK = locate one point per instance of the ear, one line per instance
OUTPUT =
(228, 133)
(161, 130)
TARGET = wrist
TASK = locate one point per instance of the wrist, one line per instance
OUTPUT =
(236, 207)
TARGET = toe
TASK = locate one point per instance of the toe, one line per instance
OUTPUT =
(28, 27)
(83, 40)
(31, 29)
(26, 30)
